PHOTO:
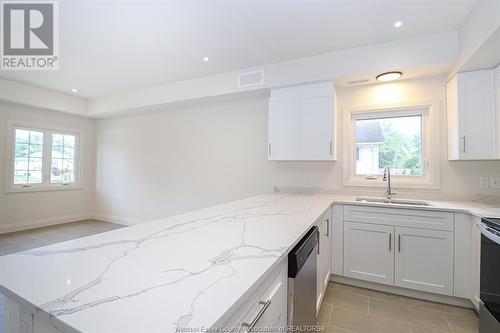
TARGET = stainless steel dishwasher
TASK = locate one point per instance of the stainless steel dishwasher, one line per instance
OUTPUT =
(302, 282)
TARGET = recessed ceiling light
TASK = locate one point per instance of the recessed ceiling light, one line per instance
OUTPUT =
(389, 76)
(398, 24)
(205, 59)
(74, 90)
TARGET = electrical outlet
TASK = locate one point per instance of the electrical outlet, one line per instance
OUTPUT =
(307, 178)
(484, 182)
(495, 182)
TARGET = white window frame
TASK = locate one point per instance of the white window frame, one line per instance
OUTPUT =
(431, 145)
(46, 184)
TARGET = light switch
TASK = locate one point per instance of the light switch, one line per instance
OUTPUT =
(484, 182)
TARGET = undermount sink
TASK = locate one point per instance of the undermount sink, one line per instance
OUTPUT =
(395, 201)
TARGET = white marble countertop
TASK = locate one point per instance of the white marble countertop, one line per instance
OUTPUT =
(187, 270)
(479, 208)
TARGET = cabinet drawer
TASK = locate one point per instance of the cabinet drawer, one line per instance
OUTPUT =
(402, 217)
(271, 295)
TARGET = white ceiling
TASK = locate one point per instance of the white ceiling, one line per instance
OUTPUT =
(114, 46)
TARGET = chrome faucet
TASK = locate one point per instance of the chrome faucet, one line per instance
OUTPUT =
(387, 178)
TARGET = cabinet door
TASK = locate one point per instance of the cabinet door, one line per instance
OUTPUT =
(424, 260)
(327, 250)
(475, 115)
(369, 252)
(283, 129)
(319, 265)
(475, 268)
(316, 128)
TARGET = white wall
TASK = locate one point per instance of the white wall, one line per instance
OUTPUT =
(158, 164)
(22, 210)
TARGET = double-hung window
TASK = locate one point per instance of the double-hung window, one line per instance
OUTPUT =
(402, 139)
(42, 159)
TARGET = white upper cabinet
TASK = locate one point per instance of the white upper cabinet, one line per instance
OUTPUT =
(302, 122)
(284, 132)
(471, 115)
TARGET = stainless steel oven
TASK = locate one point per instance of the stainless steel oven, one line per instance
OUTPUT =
(489, 310)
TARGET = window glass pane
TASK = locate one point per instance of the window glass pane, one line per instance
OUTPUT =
(63, 158)
(21, 163)
(35, 150)
(57, 140)
(36, 137)
(68, 176)
(68, 165)
(393, 142)
(57, 152)
(28, 163)
(22, 136)
(22, 150)
(69, 152)
(35, 164)
(20, 177)
(35, 177)
(69, 140)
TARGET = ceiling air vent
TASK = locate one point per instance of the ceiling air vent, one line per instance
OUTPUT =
(250, 79)
(359, 81)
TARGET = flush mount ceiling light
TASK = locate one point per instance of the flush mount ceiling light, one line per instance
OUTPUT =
(205, 59)
(74, 90)
(389, 76)
(398, 24)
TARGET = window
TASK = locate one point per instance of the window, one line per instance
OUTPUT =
(402, 138)
(42, 159)
(28, 161)
(63, 159)
(389, 142)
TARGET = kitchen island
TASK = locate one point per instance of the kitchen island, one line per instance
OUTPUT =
(187, 271)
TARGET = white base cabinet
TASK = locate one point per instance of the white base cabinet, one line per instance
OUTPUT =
(398, 253)
(368, 252)
(269, 302)
(324, 257)
(424, 260)
(475, 261)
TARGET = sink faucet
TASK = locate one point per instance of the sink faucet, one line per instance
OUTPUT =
(387, 178)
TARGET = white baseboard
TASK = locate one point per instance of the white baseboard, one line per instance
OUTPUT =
(12, 227)
(452, 300)
(117, 219)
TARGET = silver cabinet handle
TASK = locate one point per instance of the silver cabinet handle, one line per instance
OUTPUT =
(259, 315)
(269, 150)
(463, 138)
(399, 243)
(331, 148)
(328, 227)
(390, 242)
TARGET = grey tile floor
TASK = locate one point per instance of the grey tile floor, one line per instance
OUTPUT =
(29, 239)
(349, 309)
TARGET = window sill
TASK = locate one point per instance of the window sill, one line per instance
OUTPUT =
(43, 188)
